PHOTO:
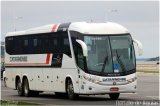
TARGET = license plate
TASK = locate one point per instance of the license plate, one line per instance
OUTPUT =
(114, 89)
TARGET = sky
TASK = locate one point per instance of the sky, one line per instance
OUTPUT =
(141, 18)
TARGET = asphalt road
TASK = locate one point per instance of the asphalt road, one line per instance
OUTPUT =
(147, 93)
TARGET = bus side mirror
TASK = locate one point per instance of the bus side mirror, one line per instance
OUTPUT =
(139, 45)
(84, 47)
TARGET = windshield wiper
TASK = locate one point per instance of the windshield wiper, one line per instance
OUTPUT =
(120, 62)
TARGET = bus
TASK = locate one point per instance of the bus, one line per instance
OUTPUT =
(78, 58)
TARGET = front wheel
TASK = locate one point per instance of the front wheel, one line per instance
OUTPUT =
(70, 90)
(114, 96)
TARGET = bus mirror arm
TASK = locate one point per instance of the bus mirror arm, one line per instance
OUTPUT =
(84, 47)
(139, 45)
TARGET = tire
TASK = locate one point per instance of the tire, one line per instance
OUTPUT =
(70, 91)
(19, 88)
(26, 90)
(114, 96)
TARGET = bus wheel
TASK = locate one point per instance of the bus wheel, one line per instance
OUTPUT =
(19, 88)
(114, 96)
(26, 88)
(70, 90)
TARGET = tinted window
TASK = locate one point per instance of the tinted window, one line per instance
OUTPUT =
(57, 42)
(78, 52)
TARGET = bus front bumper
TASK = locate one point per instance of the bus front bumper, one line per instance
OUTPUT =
(93, 88)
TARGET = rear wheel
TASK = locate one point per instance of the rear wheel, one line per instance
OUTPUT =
(114, 96)
(27, 91)
(70, 90)
(19, 88)
(26, 88)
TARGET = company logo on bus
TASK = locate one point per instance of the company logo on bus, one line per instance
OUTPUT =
(114, 83)
(18, 59)
(114, 79)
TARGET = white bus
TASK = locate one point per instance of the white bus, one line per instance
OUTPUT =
(77, 58)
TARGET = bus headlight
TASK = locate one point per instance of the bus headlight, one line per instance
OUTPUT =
(91, 78)
(87, 77)
(132, 79)
(97, 81)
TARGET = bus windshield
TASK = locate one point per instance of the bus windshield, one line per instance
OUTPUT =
(122, 53)
(109, 54)
(99, 54)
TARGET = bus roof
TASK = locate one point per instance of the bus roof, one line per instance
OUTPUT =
(98, 28)
(82, 27)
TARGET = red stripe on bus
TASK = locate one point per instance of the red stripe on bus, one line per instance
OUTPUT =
(48, 58)
(54, 28)
(48, 55)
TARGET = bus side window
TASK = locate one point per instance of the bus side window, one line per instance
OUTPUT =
(78, 52)
(35, 42)
(55, 47)
(25, 45)
(80, 57)
(65, 44)
(74, 43)
(9, 43)
(66, 47)
(57, 60)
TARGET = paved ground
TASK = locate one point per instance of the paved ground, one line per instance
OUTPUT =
(148, 67)
(148, 93)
